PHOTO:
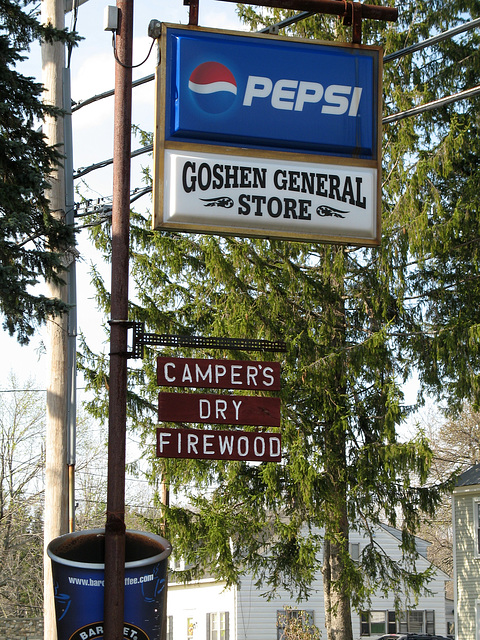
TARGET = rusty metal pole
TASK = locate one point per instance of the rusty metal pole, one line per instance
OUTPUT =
(115, 523)
(331, 7)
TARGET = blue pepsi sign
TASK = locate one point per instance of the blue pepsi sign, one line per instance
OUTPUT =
(264, 92)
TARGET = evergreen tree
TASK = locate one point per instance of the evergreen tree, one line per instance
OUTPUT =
(357, 322)
(30, 237)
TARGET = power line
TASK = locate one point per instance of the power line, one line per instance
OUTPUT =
(107, 94)
(104, 210)
(468, 26)
(435, 104)
(105, 163)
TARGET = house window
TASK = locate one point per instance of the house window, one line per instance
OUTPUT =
(373, 622)
(417, 621)
(218, 625)
(477, 527)
(377, 622)
(355, 551)
(289, 618)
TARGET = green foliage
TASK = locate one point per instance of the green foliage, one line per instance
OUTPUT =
(357, 323)
(29, 234)
(296, 625)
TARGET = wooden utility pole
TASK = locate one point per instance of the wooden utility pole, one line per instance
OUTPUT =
(56, 477)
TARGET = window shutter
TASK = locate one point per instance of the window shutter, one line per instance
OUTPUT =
(280, 623)
(392, 624)
(430, 621)
(227, 625)
(208, 627)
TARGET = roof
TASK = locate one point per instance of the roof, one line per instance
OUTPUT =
(469, 477)
(420, 544)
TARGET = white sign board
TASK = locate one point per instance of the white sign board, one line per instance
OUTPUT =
(267, 198)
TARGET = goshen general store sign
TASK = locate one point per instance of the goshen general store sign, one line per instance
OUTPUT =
(212, 408)
(267, 136)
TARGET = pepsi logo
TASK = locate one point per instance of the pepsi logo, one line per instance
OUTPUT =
(213, 87)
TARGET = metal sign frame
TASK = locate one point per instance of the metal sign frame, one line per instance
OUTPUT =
(313, 218)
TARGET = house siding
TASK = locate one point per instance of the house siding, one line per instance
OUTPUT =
(467, 564)
(254, 617)
(196, 600)
(257, 616)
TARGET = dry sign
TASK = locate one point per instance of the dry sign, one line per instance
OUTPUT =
(267, 136)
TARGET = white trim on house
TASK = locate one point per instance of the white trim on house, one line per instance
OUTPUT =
(477, 619)
(471, 488)
(476, 525)
(455, 587)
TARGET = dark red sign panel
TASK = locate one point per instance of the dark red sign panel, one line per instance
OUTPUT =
(218, 445)
(218, 374)
(212, 408)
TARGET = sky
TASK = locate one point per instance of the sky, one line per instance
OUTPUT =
(92, 73)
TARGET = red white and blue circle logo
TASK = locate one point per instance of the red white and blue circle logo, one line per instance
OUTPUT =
(213, 87)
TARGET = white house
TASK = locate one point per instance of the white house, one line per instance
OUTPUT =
(206, 610)
(466, 554)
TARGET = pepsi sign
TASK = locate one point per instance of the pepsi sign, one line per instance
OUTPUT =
(271, 93)
(264, 136)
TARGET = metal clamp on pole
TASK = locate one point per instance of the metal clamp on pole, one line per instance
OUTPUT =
(126, 324)
(353, 17)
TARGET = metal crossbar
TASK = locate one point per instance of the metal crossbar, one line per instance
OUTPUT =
(141, 339)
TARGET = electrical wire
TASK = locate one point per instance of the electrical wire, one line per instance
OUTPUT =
(105, 163)
(109, 93)
(129, 66)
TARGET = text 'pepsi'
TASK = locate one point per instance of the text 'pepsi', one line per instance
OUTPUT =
(293, 95)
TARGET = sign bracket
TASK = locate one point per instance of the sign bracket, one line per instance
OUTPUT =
(193, 12)
(352, 12)
(140, 339)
